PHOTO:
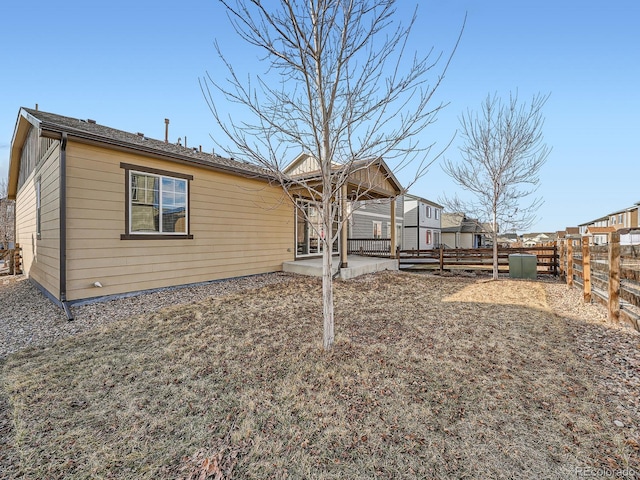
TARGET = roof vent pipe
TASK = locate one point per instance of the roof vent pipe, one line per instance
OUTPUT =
(166, 130)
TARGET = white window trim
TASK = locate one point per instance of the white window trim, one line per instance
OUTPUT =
(379, 228)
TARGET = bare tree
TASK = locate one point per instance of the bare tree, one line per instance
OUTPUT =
(501, 157)
(339, 87)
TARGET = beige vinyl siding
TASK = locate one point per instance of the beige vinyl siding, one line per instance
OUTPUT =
(240, 227)
(374, 177)
(307, 165)
(41, 259)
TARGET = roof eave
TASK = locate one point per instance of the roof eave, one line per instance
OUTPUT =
(23, 124)
(55, 131)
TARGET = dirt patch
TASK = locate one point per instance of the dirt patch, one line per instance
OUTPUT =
(429, 378)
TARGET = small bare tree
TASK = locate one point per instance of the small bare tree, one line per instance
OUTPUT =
(501, 157)
(338, 88)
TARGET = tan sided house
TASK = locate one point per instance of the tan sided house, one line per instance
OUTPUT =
(103, 212)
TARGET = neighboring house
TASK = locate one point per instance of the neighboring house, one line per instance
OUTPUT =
(422, 223)
(625, 219)
(599, 235)
(507, 240)
(533, 239)
(599, 222)
(372, 219)
(625, 222)
(459, 231)
(104, 212)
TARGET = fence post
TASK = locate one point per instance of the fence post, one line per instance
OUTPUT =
(586, 270)
(561, 259)
(556, 259)
(570, 262)
(614, 277)
(441, 259)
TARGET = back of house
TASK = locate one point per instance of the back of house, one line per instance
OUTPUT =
(103, 212)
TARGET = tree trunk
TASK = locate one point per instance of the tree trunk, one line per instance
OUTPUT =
(494, 237)
(327, 277)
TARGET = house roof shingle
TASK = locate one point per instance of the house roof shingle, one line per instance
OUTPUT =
(92, 131)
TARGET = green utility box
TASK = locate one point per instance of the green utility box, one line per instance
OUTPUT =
(523, 265)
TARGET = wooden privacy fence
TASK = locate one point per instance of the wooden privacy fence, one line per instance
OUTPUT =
(609, 274)
(11, 261)
(479, 258)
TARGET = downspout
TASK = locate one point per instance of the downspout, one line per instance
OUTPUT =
(63, 227)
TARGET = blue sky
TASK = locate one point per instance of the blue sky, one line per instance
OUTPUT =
(130, 65)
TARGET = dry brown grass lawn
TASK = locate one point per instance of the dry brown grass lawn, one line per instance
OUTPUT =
(429, 378)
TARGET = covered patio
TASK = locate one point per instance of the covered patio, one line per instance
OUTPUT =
(364, 180)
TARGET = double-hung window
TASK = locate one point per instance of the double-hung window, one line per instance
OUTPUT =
(157, 203)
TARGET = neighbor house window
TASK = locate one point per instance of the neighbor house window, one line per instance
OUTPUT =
(436, 211)
(157, 204)
(427, 210)
(428, 237)
(377, 229)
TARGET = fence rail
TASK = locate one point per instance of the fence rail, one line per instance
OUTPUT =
(609, 274)
(479, 258)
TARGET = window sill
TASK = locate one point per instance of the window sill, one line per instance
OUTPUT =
(154, 236)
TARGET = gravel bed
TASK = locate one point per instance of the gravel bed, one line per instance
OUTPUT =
(611, 350)
(28, 318)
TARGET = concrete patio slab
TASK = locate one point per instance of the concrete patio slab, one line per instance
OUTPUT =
(356, 266)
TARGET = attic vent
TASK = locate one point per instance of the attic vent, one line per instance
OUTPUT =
(90, 121)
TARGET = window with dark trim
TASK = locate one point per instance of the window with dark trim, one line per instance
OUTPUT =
(156, 203)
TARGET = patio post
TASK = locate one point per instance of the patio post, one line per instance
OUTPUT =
(392, 253)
